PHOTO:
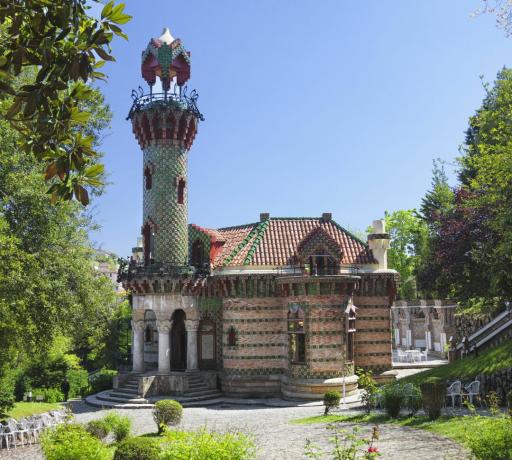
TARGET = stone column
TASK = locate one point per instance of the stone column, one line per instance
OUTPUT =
(164, 358)
(138, 346)
(191, 326)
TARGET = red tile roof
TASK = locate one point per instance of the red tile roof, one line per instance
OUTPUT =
(276, 240)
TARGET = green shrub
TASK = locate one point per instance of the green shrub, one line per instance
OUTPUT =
(78, 382)
(392, 399)
(413, 399)
(167, 412)
(51, 395)
(202, 445)
(98, 428)
(138, 449)
(102, 380)
(6, 401)
(509, 402)
(370, 389)
(120, 425)
(72, 442)
(22, 386)
(433, 392)
(492, 440)
(331, 399)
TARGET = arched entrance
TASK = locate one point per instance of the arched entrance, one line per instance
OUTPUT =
(178, 342)
(206, 345)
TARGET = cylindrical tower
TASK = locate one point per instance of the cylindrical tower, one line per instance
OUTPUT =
(165, 125)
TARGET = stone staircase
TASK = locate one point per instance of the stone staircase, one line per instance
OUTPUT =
(128, 397)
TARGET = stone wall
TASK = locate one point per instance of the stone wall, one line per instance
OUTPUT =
(500, 382)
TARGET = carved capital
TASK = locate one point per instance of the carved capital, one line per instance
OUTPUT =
(164, 326)
(191, 325)
(138, 326)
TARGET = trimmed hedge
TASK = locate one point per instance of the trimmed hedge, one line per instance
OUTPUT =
(167, 412)
(138, 449)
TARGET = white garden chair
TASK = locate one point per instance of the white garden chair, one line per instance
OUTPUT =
(454, 390)
(6, 437)
(18, 431)
(401, 356)
(424, 355)
(473, 389)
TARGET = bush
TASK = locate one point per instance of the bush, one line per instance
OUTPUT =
(331, 399)
(120, 425)
(493, 439)
(72, 442)
(78, 382)
(22, 386)
(98, 428)
(51, 395)
(138, 449)
(202, 445)
(433, 391)
(167, 412)
(392, 399)
(6, 401)
(102, 380)
(413, 399)
(509, 402)
(370, 389)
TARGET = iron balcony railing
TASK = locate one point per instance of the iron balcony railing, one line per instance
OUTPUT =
(179, 96)
(315, 271)
(129, 269)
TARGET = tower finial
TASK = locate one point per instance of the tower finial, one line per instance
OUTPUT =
(166, 36)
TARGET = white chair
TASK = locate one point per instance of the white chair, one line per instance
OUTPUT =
(6, 437)
(473, 389)
(454, 390)
(424, 355)
(401, 355)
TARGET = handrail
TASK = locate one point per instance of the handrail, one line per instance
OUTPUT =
(489, 330)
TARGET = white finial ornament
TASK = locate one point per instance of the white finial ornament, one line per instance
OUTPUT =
(166, 36)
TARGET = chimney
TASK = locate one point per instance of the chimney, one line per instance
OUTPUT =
(378, 241)
(327, 216)
(264, 216)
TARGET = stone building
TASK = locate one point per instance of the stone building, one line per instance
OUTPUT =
(426, 324)
(284, 306)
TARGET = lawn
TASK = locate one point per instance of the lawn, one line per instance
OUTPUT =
(25, 409)
(488, 362)
(452, 427)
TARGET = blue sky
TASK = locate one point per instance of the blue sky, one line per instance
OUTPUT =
(311, 106)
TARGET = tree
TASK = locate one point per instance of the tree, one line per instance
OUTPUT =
(503, 11)
(408, 233)
(48, 287)
(63, 47)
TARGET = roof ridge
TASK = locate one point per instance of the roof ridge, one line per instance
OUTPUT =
(343, 229)
(239, 246)
(260, 231)
(233, 227)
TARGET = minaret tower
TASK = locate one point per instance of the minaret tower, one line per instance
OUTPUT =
(165, 124)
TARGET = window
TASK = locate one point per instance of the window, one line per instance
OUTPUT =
(198, 253)
(148, 236)
(181, 191)
(322, 264)
(296, 336)
(231, 337)
(148, 334)
(148, 178)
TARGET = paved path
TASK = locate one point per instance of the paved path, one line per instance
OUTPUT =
(275, 437)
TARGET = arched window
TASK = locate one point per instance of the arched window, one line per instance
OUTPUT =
(296, 335)
(149, 242)
(148, 178)
(198, 253)
(231, 337)
(181, 191)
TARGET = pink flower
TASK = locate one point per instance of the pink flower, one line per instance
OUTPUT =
(372, 450)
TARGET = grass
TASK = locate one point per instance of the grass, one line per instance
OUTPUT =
(453, 427)
(26, 409)
(488, 362)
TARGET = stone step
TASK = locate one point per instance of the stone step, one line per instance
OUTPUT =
(189, 400)
(124, 394)
(197, 385)
(93, 400)
(206, 392)
(118, 399)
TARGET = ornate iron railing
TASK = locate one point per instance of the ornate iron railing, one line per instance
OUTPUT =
(315, 271)
(128, 269)
(179, 95)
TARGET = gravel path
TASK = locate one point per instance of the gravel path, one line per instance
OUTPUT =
(275, 437)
